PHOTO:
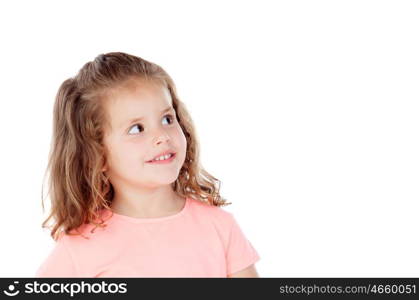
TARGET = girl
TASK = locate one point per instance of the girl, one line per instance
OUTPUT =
(129, 197)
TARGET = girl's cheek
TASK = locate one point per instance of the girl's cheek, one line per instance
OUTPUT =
(179, 131)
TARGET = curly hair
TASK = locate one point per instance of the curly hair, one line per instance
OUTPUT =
(78, 187)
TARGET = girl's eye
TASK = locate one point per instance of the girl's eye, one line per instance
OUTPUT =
(135, 126)
(170, 117)
(142, 129)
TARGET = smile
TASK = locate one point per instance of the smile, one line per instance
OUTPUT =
(163, 159)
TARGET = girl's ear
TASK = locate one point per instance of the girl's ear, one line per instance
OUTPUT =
(105, 166)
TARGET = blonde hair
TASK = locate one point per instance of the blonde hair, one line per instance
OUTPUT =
(78, 187)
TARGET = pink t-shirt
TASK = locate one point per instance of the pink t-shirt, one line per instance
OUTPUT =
(199, 241)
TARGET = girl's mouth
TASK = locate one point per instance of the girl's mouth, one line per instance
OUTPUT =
(164, 161)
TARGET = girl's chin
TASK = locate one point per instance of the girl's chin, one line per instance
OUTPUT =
(161, 180)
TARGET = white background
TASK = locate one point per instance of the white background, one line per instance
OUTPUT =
(307, 111)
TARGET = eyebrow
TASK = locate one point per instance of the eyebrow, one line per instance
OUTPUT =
(141, 118)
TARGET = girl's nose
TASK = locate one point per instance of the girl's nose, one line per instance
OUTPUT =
(161, 137)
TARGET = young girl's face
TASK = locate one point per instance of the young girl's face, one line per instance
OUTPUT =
(143, 125)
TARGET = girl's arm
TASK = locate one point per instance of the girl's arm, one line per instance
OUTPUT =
(241, 256)
(59, 263)
(248, 272)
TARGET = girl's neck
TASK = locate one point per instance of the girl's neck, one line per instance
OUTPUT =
(155, 206)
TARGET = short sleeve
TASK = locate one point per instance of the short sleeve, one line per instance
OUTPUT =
(240, 252)
(58, 263)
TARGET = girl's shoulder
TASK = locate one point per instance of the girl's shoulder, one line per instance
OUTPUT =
(213, 212)
(86, 231)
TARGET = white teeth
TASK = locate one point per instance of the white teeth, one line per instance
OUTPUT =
(163, 157)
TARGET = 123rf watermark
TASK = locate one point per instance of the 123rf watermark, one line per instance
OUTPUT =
(71, 289)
